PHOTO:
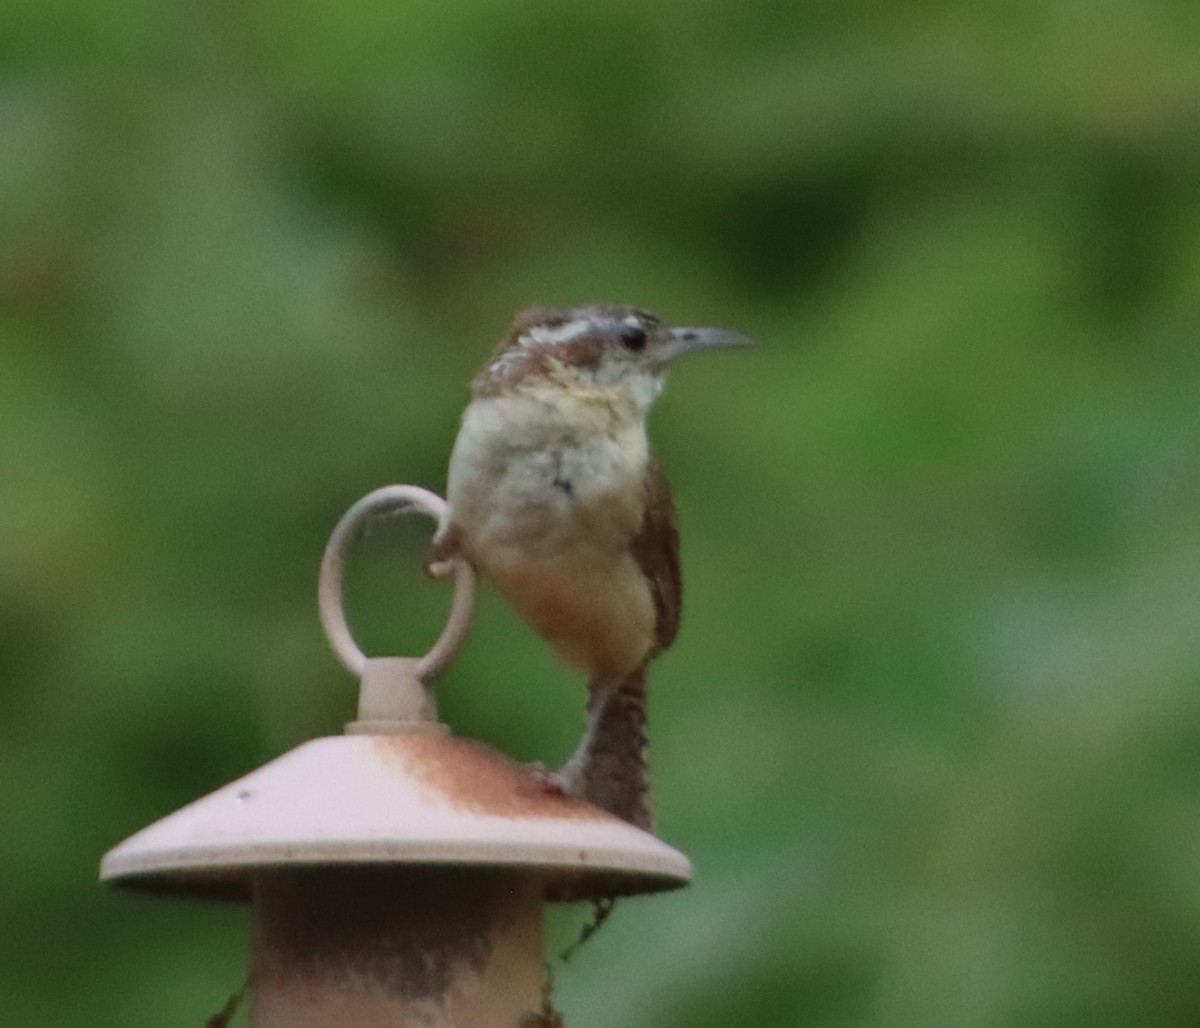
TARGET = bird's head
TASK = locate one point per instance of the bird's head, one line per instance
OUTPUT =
(599, 347)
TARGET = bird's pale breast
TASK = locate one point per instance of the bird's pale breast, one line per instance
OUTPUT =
(546, 494)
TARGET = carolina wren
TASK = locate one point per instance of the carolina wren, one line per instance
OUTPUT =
(556, 498)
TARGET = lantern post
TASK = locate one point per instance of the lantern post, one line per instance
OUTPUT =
(396, 874)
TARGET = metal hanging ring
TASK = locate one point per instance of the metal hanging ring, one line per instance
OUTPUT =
(390, 500)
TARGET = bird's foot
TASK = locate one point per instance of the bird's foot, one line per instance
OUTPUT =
(566, 781)
(439, 557)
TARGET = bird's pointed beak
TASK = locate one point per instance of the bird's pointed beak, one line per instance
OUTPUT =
(690, 340)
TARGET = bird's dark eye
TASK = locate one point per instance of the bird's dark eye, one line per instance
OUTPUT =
(633, 337)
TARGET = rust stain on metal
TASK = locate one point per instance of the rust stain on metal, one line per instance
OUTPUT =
(468, 775)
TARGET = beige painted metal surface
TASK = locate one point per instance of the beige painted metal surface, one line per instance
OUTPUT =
(399, 798)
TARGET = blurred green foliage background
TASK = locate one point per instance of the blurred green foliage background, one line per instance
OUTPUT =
(931, 733)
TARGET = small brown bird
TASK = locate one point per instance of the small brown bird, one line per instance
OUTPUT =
(556, 498)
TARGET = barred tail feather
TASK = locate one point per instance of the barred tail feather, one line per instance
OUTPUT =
(613, 768)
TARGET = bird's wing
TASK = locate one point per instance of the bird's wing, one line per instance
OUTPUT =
(656, 549)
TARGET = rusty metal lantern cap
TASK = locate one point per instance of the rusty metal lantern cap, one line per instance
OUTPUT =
(396, 789)
(397, 798)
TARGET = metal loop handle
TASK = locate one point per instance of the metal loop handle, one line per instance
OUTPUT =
(388, 500)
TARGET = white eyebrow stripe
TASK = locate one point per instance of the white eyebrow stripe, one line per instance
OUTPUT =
(540, 335)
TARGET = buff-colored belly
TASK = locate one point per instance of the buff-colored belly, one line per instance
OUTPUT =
(599, 619)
